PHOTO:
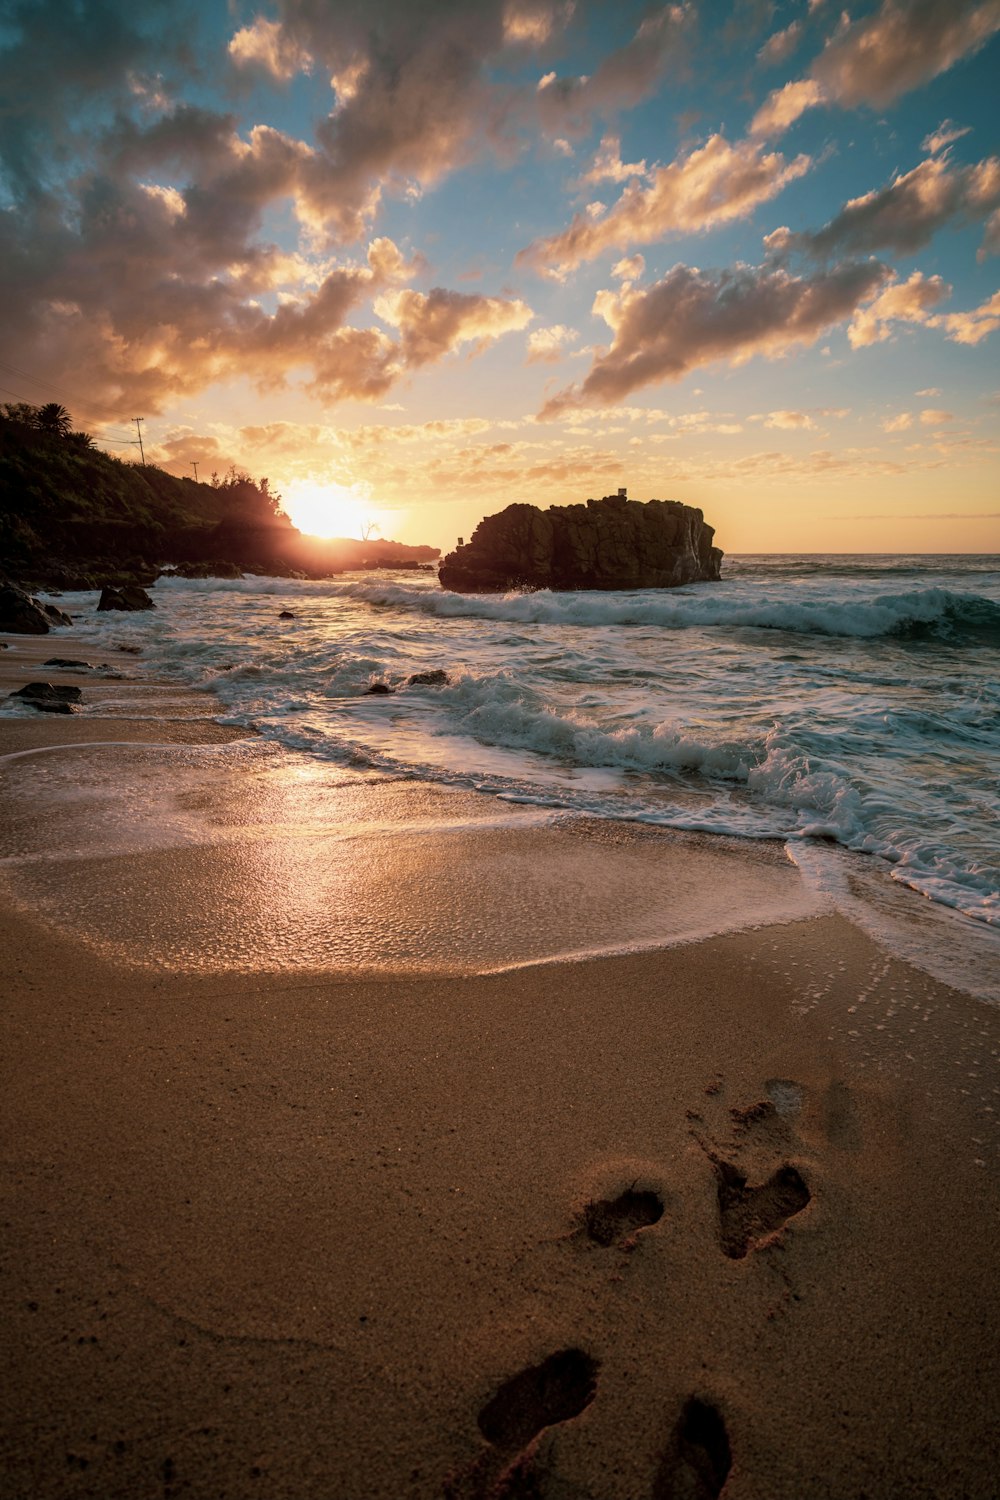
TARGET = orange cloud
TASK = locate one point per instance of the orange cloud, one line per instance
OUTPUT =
(783, 107)
(878, 57)
(545, 344)
(780, 46)
(266, 45)
(907, 301)
(712, 185)
(789, 421)
(434, 324)
(913, 301)
(608, 165)
(532, 22)
(970, 327)
(906, 214)
(945, 135)
(904, 43)
(692, 318)
(567, 106)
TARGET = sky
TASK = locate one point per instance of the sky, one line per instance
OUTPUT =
(414, 260)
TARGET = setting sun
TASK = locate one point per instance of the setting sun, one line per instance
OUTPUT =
(329, 510)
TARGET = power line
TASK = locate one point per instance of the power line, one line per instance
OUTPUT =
(46, 385)
(121, 442)
(138, 429)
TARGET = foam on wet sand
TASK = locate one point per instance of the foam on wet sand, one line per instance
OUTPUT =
(311, 1193)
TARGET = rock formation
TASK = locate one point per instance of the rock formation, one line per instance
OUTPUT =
(22, 614)
(48, 699)
(614, 543)
(130, 597)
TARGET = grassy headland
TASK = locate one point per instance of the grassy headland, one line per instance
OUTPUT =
(72, 514)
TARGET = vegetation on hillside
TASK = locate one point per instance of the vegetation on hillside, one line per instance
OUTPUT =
(72, 513)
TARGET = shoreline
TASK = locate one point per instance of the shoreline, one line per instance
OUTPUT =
(292, 1230)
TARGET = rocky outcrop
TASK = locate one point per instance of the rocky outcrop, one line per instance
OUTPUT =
(48, 699)
(21, 613)
(614, 543)
(130, 597)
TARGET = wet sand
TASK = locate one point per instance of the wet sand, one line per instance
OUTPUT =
(301, 1202)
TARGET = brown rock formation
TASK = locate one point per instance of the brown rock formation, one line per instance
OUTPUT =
(614, 543)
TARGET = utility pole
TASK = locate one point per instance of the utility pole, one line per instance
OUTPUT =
(138, 429)
(194, 466)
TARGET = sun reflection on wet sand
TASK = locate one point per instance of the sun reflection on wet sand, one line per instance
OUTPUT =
(293, 866)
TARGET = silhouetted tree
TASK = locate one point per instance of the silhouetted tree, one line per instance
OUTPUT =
(21, 412)
(53, 419)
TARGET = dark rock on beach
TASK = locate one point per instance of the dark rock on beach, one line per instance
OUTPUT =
(130, 597)
(67, 662)
(21, 613)
(287, 614)
(380, 689)
(436, 678)
(49, 699)
(614, 543)
(57, 616)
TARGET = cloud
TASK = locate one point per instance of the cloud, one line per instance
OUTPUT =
(789, 421)
(970, 327)
(266, 45)
(608, 165)
(714, 184)
(623, 78)
(898, 423)
(55, 60)
(945, 135)
(935, 418)
(532, 24)
(692, 318)
(905, 215)
(432, 325)
(783, 107)
(901, 45)
(931, 390)
(545, 344)
(991, 237)
(878, 57)
(779, 47)
(907, 301)
(630, 268)
(914, 301)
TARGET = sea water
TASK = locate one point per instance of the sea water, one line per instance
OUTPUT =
(848, 706)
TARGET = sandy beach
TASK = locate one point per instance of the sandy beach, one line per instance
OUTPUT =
(344, 1159)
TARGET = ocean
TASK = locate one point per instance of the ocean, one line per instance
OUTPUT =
(848, 706)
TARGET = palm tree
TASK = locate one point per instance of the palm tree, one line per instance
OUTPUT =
(54, 419)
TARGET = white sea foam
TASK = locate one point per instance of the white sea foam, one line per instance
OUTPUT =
(823, 701)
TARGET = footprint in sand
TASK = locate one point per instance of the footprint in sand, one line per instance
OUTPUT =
(697, 1460)
(611, 1221)
(561, 1387)
(747, 1215)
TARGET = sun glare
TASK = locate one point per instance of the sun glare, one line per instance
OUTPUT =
(326, 510)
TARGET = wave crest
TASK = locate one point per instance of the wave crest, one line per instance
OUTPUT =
(932, 613)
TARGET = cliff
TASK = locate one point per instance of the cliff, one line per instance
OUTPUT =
(614, 543)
